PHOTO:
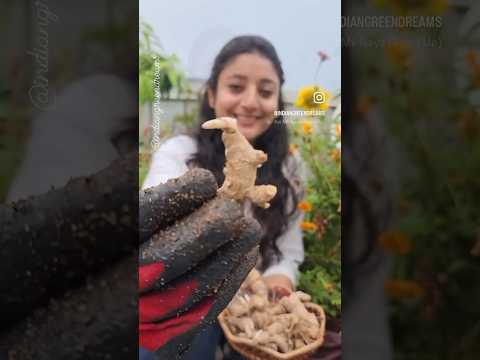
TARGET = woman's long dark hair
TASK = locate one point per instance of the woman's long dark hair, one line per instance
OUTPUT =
(274, 142)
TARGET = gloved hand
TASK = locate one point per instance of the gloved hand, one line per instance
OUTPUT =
(189, 270)
(69, 270)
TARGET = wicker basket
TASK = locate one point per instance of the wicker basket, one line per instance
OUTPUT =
(251, 351)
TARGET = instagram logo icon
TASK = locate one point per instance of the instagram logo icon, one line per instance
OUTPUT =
(318, 97)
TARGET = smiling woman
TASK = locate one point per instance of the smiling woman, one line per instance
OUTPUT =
(245, 83)
(248, 90)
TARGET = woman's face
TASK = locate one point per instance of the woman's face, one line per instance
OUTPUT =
(248, 89)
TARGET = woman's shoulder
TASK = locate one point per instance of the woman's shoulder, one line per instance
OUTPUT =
(170, 160)
(179, 143)
(178, 148)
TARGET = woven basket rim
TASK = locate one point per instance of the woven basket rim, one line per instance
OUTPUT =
(237, 341)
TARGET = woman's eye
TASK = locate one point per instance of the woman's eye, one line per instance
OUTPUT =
(235, 88)
(266, 93)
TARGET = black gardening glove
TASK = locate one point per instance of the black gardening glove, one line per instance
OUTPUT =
(51, 242)
(190, 270)
(69, 265)
(69, 269)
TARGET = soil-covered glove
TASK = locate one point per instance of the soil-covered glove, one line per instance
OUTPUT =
(51, 242)
(190, 270)
(69, 266)
(69, 269)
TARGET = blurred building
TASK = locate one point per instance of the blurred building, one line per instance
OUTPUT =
(178, 110)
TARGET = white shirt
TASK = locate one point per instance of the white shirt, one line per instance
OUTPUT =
(170, 161)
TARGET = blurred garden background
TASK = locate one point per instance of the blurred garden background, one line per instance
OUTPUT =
(421, 89)
(169, 98)
(75, 50)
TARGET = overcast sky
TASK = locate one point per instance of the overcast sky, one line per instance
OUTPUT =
(196, 30)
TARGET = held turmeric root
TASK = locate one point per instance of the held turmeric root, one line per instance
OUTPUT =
(242, 162)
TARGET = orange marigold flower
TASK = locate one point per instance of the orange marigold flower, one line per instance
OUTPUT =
(364, 104)
(467, 122)
(404, 289)
(308, 226)
(399, 54)
(404, 8)
(338, 130)
(395, 242)
(329, 287)
(307, 127)
(292, 148)
(435, 7)
(305, 206)
(471, 57)
(336, 154)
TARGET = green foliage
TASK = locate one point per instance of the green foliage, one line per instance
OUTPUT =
(144, 162)
(106, 40)
(157, 69)
(324, 284)
(320, 150)
(438, 134)
(110, 35)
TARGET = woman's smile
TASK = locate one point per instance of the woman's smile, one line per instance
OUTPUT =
(246, 120)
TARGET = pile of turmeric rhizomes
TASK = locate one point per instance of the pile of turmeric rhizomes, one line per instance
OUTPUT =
(283, 325)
